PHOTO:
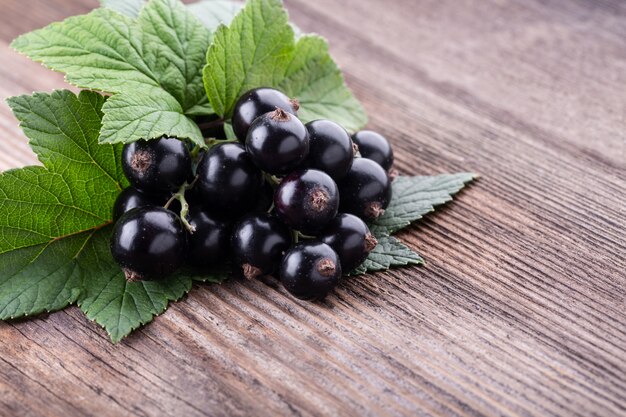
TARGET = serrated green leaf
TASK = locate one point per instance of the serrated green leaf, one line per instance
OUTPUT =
(258, 50)
(413, 197)
(55, 222)
(48, 213)
(253, 51)
(213, 13)
(315, 80)
(164, 49)
(389, 253)
(130, 8)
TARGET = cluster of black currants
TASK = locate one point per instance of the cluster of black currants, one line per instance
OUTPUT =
(285, 198)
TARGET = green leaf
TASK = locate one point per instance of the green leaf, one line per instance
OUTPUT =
(315, 80)
(130, 8)
(413, 197)
(389, 253)
(213, 13)
(47, 214)
(253, 51)
(55, 222)
(162, 50)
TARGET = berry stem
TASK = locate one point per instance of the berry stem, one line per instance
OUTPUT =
(184, 206)
(213, 142)
(272, 179)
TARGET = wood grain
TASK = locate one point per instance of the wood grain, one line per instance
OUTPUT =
(520, 310)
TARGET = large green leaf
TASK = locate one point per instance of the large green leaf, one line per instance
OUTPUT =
(389, 253)
(258, 49)
(163, 49)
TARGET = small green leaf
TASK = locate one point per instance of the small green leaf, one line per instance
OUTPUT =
(163, 49)
(413, 197)
(130, 8)
(315, 80)
(389, 253)
(253, 51)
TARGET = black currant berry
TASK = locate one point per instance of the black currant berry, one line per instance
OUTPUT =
(228, 181)
(307, 200)
(375, 147)
(132, 198)
(366, 190)
(257, 102)
(277, 142)
(350, 237)
(148, 243)
(259, 241)
(310, 270)
(331, 149)
(210, 242)
(157, 166)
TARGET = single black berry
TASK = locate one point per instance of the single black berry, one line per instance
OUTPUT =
(228, 181)
(310, 270)
(209, 244)
(331, 149)
(277, 142)
(375, 147)
(258, 242)
(257, 102)
(157, 166)
(132, 198)
(350, 237)
(148, 243)
(366, 190)
(307, 200)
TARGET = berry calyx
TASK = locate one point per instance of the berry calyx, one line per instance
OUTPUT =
(365, 190)
(228, 181)
(277, 142)
(331, 149)
(374, 146)
(158, 166)
(310, 270)
(148, 243)
(258, 243)
(307, 200)
(350, 237)
(131, 198)
(257, 102)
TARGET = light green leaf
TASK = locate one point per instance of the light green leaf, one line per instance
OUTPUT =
(413, 197)
(164, 49)
(315, 80)
(253, 51)
(48, 213)
(213, 13)
(130, 8)
(389, 253)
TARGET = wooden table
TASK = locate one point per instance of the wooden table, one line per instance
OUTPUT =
(520, 309)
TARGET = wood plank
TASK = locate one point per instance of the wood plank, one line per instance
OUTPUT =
(520, 310)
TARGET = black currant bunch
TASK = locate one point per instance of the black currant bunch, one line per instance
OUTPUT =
(284, 198)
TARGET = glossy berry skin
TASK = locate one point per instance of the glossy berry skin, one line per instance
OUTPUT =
(350, 237)
(307, 200)
(331, 148)
(375, 147)
(255, 103)
(277, 142)
(158, 166)
(228, 181)
(258, 243)
(209, 244)
(310, 270)
(148, 243)
(132, 198)
(366, 190)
